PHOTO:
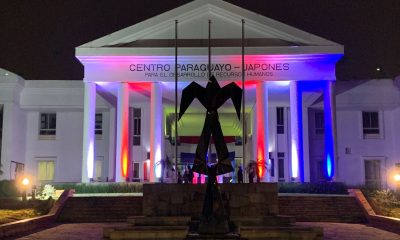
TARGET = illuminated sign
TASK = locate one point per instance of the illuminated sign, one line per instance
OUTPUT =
(195, 68)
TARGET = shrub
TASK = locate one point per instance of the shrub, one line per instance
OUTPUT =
(102, 187)
(47, 191)
(8, 188)
(43, 206)
(316, 188)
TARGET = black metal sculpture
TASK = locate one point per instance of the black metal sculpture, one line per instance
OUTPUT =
(212, 97)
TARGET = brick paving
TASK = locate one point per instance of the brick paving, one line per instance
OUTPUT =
(346, 231)
(332, 231)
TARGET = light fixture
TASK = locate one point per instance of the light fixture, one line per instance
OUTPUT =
(397, 177)
(25, 182)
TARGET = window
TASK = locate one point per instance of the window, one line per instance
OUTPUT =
(17, 170)
(370, 124)
(98, 124)
(272, 167)
(320, 170)
(281, 166)
(135, 170)
(47, 124)
(280, 127)
(372, 173)
(136, 126)
(98, 169)
(272, 164)
(46, 170)
(319, 122)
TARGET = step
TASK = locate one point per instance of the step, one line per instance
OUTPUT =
(159, 220)
(212, 237)
(281, 233)
(278, 220)
(147, 232)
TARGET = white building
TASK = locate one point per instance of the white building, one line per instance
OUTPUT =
(118, 123)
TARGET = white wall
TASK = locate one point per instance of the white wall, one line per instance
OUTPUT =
(375, 95)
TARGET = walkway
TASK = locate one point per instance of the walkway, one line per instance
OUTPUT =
(332, 231)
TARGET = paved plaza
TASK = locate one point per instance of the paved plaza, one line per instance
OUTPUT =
(332, 231)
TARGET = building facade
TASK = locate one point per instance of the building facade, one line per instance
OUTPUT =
(118, 124)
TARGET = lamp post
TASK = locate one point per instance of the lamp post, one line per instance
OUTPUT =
(25, 184)
(396, 178)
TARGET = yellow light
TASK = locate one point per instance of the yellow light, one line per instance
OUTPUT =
(25, 182)
(397, 177)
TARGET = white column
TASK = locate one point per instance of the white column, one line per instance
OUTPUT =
(88, 145)
(122, 147)
(329, 116)
(253, 152)
(14, 139)
(156, 115)
(262, 129)
(111, 147)
(295, 143)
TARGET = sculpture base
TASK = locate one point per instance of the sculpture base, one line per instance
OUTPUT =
(213, 226)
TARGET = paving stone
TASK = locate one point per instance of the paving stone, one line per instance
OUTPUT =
(332, 231)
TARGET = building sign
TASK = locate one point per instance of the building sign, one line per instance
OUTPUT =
(200, 70)
(224, 68)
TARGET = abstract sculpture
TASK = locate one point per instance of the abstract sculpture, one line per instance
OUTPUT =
(212, 97)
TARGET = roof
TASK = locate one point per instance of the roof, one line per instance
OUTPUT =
(262, 34)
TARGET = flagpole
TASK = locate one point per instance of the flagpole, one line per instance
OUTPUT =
(243, 101)
(209, 75)
(209, 48)
(176, 99)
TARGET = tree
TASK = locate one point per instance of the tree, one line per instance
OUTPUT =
(253, 167)
(166, 164)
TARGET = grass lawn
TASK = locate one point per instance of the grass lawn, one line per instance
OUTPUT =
(7, 215)
(384, 202)
(390, 210)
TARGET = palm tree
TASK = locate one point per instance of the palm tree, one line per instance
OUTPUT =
(253, 167)
(166, 164)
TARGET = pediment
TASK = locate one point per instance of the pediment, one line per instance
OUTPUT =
(193, 19)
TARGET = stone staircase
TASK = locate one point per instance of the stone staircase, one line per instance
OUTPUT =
(303, 208)
(100, 209)
(344, 209)
(141, 227)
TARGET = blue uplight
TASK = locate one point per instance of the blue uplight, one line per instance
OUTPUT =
(329, 166)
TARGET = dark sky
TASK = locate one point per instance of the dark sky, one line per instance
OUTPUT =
(38, 37)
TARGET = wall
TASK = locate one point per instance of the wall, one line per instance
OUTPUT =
(187, 199)
(375, 95)
(65, 98)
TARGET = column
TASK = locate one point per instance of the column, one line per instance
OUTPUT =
(329, 116)
(156, 115)
(296, 132)
(262, 130)
(88, 145)
(122, 147)
(112, 144)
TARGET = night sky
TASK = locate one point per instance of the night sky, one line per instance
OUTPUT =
(38, 38)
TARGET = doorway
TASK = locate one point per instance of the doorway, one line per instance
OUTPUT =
(372, 169)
